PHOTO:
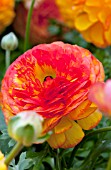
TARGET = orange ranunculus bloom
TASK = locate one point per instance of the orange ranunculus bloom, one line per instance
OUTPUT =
(2, 164)
(91, 18)
(54, 80)
(6, 13)
(100, 93)
(42, 13)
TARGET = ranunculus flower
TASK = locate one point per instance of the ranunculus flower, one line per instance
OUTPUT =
(54, 81)
(42, 13)
(2, 164)
(100, 93)
(6, 13)
(91, 18)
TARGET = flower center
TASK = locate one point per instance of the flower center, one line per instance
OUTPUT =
(48, 78)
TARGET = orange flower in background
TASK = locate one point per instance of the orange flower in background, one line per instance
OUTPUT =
(2, 164)
(100, 93)
(91, 18)
(6, 13)
(42, 13)
(54, 80)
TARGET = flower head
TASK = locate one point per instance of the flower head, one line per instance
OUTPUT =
(2, 164)
(54, 81)
(6, 13)
(42, 13)
(91, 18)
(100, 93)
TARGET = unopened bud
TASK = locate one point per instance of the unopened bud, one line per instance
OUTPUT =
(26, 127)
(9, 42)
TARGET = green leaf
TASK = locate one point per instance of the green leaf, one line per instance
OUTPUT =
(23, 163)
(2, 122)
(37, 158)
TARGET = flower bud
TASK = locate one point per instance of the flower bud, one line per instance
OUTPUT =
(9, 42)
(2, 164)
(26, 127)
(27, 3)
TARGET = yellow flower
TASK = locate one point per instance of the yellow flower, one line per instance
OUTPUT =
(91, 18)
(2, 164)
(6, 13)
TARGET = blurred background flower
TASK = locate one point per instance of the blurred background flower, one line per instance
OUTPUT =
(43, 12)
(91, 18)
(38, 80)
(6, 13)
(2, 164)
(100, 93)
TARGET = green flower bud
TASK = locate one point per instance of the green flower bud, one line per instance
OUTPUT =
(9, 42)
(26, 127)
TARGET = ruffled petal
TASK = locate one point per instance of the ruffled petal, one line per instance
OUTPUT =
(50, 123)
(63, 125)
(83, 110)
(80, 25)
(68, 138)
(56, 140)
(90, 121)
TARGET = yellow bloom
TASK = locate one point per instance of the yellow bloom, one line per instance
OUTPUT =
(6, 13)
(2, 164)
(91, 18)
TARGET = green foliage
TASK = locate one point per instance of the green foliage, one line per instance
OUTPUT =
(22, 164)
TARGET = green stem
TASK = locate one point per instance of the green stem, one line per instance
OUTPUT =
(58, 167)
(27, 33)
(7, 58)
(17, 148)
(90, 134)
(109, 163)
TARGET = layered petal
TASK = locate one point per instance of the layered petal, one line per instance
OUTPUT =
(91, 121)
(66, 135)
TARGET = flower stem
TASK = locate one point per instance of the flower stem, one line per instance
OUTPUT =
(90, 134)
(109, 163)
(17, 148)
(7, 58)
(58, 161)
(27, 33)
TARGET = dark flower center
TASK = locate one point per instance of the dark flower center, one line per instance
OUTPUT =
(48, 78)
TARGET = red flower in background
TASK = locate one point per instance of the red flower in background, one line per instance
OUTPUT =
(100, 93)
(42, 13)
(54, 80)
